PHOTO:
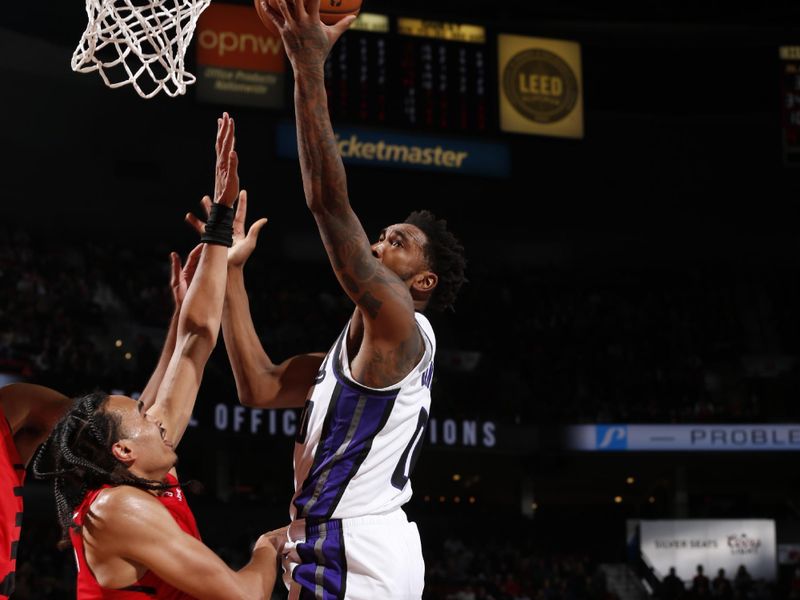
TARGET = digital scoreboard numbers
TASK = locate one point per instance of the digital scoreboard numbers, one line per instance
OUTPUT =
(425, 74)
(443, 72)
(356, 72)
(790, 104)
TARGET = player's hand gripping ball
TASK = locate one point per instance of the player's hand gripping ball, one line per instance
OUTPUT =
(330, 11)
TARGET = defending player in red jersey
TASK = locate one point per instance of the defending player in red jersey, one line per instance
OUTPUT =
(27, 415)
(112, 458)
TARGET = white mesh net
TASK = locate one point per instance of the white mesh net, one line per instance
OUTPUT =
(139, 42)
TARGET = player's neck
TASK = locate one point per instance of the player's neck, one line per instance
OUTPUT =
(150, 475)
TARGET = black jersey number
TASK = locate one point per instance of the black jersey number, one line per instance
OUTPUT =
(405, 466)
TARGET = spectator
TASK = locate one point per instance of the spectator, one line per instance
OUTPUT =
(743, 582)
(700, 584)
(721, 588)
(671, 586)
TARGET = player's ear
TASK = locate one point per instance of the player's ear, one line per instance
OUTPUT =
(123, 452)
(425, 282)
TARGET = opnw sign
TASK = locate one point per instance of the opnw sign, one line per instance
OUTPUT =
(239, 60)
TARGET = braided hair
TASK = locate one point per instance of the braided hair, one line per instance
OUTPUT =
(77, 457)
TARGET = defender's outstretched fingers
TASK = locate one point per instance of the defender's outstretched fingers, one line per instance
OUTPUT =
(195, 223)
(228, 139)
(206, 203)
(240, 216)
(175, 263)
(192, 260)
(256, 228)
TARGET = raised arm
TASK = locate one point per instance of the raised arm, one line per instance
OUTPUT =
(130, 524)
(384, 300)
(32, 411)
(200, 315)
(180, 277)
(260, 383)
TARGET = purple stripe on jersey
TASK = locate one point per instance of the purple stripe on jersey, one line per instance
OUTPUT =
(322, 574)
(354, 419)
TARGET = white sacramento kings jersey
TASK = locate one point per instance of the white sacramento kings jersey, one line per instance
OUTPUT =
(357, 446)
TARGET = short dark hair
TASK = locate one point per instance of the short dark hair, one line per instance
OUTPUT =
(77, 457)
(445, 256)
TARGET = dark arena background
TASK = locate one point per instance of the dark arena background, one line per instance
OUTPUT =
(618, 389)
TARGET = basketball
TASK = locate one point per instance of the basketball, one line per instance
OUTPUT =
(330, 11)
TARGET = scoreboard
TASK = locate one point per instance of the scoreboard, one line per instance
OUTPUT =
(412, 74)
(790, 104)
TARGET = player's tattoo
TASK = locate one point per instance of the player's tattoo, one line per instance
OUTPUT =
(351, 285)
(370, 304)
(365, 279)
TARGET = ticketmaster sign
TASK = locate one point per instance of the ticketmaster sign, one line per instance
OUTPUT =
(382, 148)
(671, 438)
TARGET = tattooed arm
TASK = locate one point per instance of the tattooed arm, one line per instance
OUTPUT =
(391, 339)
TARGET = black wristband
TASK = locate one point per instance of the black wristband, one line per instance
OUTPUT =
(219, 229)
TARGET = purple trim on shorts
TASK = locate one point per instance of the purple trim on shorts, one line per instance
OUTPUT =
(323, 573)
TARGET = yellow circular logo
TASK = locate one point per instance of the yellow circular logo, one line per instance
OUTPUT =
(540, 85)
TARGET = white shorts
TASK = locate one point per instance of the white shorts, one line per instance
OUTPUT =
(365, 558)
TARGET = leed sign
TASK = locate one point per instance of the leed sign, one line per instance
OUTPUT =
(540, 86)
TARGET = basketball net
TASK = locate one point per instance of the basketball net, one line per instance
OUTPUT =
(139, 42)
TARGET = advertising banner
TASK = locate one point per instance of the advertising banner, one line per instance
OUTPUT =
(383, 148)
(761, 437)
(541, 86)
(713, 543)
(239, 61)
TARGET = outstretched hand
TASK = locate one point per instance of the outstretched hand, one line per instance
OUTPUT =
(244, 241)
(307, 40)
(181, 278)
(226, 180)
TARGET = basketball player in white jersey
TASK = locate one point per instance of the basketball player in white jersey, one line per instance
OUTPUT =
(367, 401)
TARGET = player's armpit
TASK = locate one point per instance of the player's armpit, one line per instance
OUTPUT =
(134, 526)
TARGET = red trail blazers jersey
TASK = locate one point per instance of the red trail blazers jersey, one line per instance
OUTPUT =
(150, 585)
(12, 476)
